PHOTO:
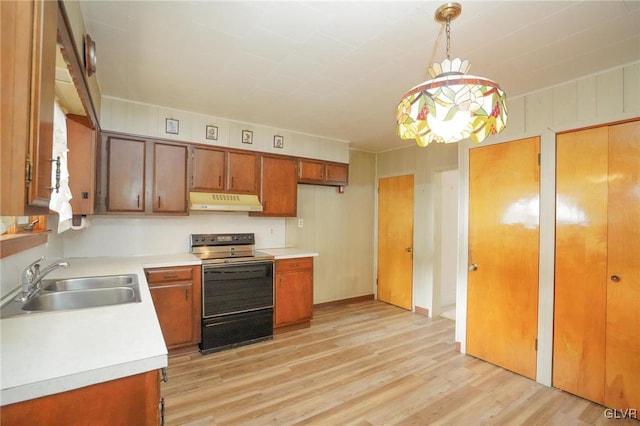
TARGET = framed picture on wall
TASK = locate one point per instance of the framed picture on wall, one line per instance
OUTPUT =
(212, 133)
(278, 141)
(247, 136)
(172, 126)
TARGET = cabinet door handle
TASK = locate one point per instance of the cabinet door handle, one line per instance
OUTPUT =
(186, 294)
(158, 201)
(219, 180)
(232, 181)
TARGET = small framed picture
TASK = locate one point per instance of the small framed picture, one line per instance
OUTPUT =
(278, 141)
(212, 133)
(172, 126)
(247, 136)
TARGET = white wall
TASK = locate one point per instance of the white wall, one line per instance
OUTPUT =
(126, 116)
(448, 251)
(150, 235)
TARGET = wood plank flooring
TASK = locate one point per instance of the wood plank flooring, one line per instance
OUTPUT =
(368, 363)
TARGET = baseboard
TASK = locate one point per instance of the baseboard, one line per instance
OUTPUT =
(422, 311)
(291, 327)
(341, 302)
(183, 350)
(458, 347)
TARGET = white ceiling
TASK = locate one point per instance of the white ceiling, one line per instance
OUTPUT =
(338, 69)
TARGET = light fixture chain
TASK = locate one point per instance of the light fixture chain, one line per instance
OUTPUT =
(448, 37)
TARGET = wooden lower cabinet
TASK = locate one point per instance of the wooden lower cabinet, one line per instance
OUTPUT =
(176, 294)
(133, 400)
(293, 291)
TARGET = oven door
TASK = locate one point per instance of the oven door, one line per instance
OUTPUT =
(236, 288)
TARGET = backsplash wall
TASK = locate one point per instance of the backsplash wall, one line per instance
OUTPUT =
(150, 235)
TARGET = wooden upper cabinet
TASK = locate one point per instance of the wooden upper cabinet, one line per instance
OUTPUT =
(81, 141)
(278, 187)
(42, 101)
(126, 159)
(144, 176)
(169, 178)
(323, 172)
(28, 73)
(242, 172)
(208, 169)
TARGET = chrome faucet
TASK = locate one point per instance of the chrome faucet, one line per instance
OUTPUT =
(32, 275)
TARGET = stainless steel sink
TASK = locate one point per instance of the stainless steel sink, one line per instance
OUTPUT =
(86, 283)
(77, 293)
(77, 299)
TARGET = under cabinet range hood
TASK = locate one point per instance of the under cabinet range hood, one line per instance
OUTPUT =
(214, 201)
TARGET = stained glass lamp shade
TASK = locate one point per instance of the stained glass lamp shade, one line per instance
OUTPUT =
(452, 105)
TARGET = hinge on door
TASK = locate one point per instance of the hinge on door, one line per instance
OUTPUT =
(536, 344)
(28, 172)
(539, 159)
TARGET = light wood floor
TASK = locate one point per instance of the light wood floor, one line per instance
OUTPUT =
(363, 364)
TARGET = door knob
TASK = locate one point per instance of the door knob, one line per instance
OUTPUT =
(408, 249)
(473, 267)
(615, 278)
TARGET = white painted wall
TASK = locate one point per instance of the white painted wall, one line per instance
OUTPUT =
(151, 235)
(136, 118)
(448, 253)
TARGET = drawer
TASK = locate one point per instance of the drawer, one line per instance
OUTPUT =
(162, 275)
(295, 264)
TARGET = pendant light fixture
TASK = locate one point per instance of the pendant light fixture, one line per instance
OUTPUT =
(452, 105)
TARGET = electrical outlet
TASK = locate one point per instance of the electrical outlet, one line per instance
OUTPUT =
(300, 223)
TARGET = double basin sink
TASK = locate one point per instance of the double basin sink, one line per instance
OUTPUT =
(77, 293)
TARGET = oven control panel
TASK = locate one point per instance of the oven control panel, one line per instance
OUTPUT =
(222, 239)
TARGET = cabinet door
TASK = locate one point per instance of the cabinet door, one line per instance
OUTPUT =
(311, 171)
(81, 140)
(242, 170)
(337, 173)
(169, 178)
(208, 170)
(125, 175)
(294, 291)
(28, 72)
(173, 304)
(279, 187)
(42, 100)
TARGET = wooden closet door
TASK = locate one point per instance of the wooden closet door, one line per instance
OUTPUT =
(581, 263)
(502, 295)
(622, 389)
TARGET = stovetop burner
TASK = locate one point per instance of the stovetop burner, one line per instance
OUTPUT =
(226, 248)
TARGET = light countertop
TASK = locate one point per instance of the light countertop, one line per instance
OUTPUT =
(47, 353)
(289, 253)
